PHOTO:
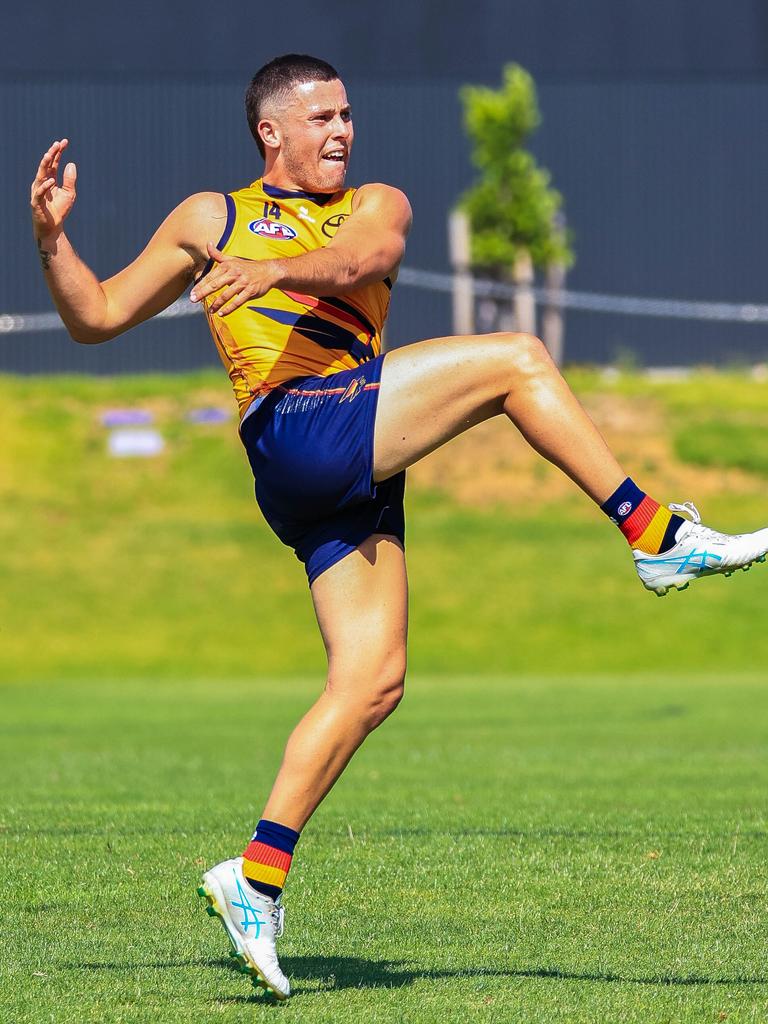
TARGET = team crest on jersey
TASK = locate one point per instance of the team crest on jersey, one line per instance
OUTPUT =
(332, 225)
(272, 229)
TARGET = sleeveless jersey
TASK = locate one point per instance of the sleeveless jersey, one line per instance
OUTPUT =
(285, 334)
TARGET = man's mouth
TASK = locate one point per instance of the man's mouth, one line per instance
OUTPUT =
(337, 156)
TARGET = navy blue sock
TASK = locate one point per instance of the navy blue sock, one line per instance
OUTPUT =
(623, 502)
(645, 523)
(268, 856)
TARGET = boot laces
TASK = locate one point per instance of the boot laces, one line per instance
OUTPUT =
(278, 920)
(688, 509)
(705, 534)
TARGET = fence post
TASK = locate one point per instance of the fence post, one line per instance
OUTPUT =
(463, 291)
(524, 302)
(552, 320)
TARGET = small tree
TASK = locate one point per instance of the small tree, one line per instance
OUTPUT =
(512, 209)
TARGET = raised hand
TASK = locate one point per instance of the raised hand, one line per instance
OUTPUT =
(50, 201)
(240, 280)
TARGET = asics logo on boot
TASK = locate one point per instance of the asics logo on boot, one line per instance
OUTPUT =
(696, 560)
(250, 914)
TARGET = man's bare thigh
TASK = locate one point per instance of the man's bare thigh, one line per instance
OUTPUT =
(433, 390)
(361, 604)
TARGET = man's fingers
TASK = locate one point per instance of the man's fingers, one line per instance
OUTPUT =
(44, 168)
(50, 161)
(212, 281)
(215, 253)
(233, 305)
(43, 187)
(224, 296)
(61, 146)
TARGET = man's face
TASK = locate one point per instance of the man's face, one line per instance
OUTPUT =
(315, 136)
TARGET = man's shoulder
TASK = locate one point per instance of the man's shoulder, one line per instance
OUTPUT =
(197, 219)
(377, 194)
(378, 190)
(204, 205)
(377, 197)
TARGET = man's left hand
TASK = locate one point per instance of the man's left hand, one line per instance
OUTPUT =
(238, 279)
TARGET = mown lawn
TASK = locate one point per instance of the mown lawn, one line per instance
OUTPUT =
(583, 849)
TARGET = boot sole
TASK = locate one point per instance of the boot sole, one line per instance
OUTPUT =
(663, 586)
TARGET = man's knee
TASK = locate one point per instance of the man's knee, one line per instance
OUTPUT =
(377, 688)
(525, 353)
(386, 687)
(386, 697)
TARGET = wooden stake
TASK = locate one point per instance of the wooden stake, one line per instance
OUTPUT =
(524, 302)
(463, 291)
(552, 321)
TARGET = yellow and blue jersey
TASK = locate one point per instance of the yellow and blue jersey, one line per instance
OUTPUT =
(285, 334)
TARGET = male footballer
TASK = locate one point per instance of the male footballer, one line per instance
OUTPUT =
(294, 273)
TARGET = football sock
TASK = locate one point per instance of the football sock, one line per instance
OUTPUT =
(268, 856)
(647, 525)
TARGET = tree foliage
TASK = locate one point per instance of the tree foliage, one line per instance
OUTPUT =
(512, 206)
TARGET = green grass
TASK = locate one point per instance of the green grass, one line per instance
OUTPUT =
(565, 821)
(726, 441)
(715, 418)
(165, 568)
(573, 849)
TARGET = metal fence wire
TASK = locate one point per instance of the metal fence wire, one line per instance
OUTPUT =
(442, 284)
(664, 186)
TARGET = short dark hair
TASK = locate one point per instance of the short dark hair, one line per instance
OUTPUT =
(280, 76)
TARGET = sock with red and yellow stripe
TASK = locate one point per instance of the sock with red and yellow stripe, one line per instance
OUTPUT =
(268, 856)
(647, 525)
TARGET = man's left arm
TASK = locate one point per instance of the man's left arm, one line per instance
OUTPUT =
(368, 247)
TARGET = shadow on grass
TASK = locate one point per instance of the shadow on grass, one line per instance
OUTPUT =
(158, 965)
(338, 972)
(335, 973)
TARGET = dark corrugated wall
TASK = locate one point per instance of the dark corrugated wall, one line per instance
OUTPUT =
(664, 185)
(402, 40)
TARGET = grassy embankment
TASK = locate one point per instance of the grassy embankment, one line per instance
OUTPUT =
(165, 568)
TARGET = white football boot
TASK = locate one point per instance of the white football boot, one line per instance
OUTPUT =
(698, 551)
(252, 922)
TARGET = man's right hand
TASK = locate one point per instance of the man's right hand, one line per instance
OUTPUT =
(50, 201)
(92, 310)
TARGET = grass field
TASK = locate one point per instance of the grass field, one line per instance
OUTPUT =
(565, 821)
(583, 849)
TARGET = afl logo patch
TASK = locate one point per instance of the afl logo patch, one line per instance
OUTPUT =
(332, 225)
(625, 508)
(272, 229)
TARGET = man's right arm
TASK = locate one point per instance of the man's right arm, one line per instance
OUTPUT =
(95, 311)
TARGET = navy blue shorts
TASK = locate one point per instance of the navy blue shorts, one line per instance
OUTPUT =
(310, 446)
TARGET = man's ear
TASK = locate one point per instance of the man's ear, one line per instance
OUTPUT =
(269, 133)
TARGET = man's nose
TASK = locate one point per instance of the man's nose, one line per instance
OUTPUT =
(341, 128)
